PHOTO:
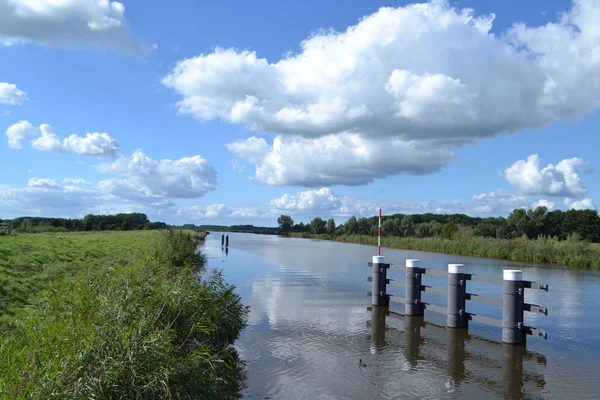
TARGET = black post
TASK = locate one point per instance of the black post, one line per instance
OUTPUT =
(226, 240)
(513, 331)
(456, 354)
(412, 288)
(222, 239)
(412, 339)
(457, 316)
(379, 295)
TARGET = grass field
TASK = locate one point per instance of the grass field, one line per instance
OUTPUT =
(540, 251)
(116, 315)
(30, 262)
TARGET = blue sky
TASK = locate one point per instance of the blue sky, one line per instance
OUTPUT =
(216, 112)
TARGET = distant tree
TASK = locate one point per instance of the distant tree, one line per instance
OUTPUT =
(407, 227)
(88, 225)
(351, 226)
(285, 222)
(428, 229)
(519, 221)
(388, 227)
(124, 226)
(449, 230)
(26, 226)
(331, 226)
(364, 227)
(485, 230)
(317, 225)
(506, 231)
(76, 224)
(102, 225)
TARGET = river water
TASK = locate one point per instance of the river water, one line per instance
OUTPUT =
(309, 325)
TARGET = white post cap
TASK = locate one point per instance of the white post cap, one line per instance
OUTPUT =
(513, 275)
(378, 259)
(455, 268)
(412, 263)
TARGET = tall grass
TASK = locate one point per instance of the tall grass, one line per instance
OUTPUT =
(145, 330)
(543, 250)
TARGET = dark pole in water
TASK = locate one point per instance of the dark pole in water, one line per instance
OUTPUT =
(412, 338)
(379, 296)
(513, 331)
(512, 370)
(456, 354)
(412, 288)
(378, 326)
(222, 239)
(226, 240)
(457, 316)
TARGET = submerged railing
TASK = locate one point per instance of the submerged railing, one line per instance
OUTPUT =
(514, 331)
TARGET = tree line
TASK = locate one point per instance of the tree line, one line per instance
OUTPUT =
(124, 222)
(532, 223)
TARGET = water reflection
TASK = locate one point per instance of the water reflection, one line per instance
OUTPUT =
(481, 362)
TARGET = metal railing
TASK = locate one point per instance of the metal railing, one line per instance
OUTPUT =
(514, 331)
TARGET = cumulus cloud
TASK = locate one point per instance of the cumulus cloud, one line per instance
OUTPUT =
(16, 133)
(67, 23)
(93, 144)
(583, 204)
(544, 203)
(76, 182)
(145, 178)
(11, 94)
(44, 183)
(561, 179)
(309, 201)
(425, 75)
(347, 159)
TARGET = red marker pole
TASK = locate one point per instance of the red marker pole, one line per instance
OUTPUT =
(379, 235)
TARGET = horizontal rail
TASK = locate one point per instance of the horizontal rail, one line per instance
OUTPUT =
(434, 272)
(396, 283)
(484, 279)
(535, 285)
(397, 267)
(485, 320)
(483, 299)
(400, 300)
(434, 308)
(425, 288)
(535, 308)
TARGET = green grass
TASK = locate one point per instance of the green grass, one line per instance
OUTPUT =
(541, 251)
(130, 321)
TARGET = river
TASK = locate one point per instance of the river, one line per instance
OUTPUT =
(309, 325)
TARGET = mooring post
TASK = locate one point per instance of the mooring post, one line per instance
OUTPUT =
(379, 295)
(226, 240)
(457, 316)
(222, 239)
(378, 315)
(513, 331)
(412, 287)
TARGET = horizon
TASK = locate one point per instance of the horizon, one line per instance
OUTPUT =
(200, 114)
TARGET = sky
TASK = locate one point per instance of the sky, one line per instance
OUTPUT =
(232, 113)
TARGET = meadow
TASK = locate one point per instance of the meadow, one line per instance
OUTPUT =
(116, 315)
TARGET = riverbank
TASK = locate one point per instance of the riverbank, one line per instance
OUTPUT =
(121, 315)
(540, 251)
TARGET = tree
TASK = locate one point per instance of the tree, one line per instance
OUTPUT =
(76, 224)
(351, 226)
(407, 227)
(519, 221)
(428, 229)
(88, 225)
(317, 225)
(285, 222)
(388, 228)
(485, 230)
(124, 226)
(331, 226)
(364, 227)
(102, 225)
(449, 230)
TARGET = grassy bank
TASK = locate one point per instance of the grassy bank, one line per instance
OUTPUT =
(133, 323)
(542, 251)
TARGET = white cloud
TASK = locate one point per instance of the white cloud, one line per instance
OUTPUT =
(544, 203)
(560, 180)
(16, 133)
(76, 182)
(11, 94)
(67, 23)
(347, 159)
(311, 201)
(399, 76)
(44, 183)
(498, 202)
(93, 144)
(584, 204)
(188, 177)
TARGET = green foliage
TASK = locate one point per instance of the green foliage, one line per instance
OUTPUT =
(449, 230)
(125, 226)
(351, 226)
(286, 223)
(428, 229)
(485, 230)
(89, 223)
(407, 226)
(317, 225)
(146, 329)
(331, 226)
